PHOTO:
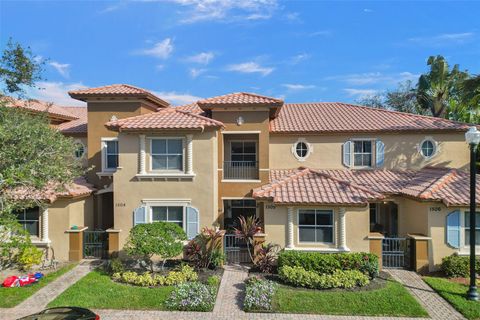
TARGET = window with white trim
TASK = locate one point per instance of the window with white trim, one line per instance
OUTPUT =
(466, 229)
(315, 226)
(243, 152)
(167, 154)
(109, 154)
(301, 149)
(168, 214)
(29, 220)
(428, 148)
(362, 153)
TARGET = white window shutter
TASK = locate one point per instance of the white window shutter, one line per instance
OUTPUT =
(380, 153)
(193, 222)
(140, 215)
(453, 229)
(347, 154)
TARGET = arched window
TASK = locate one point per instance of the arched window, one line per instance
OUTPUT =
(79, 150)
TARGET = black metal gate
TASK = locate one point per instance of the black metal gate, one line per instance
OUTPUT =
(396, 253)
(236, 250)
(95, 244)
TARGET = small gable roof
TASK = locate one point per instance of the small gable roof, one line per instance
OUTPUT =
(165, 119)
(239, 98)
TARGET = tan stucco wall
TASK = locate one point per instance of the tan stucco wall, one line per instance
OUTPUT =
(63, 214)
(357, 227)
(201, 191)
(400, 150)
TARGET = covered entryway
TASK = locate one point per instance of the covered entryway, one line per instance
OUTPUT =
(95, 244)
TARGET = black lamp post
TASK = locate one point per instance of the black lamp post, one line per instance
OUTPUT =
(473, 138)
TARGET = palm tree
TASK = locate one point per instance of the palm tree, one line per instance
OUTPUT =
(440, 86)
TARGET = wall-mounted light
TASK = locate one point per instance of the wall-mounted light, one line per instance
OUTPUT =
(240, 121)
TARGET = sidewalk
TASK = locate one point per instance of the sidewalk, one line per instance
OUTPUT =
(39, 300)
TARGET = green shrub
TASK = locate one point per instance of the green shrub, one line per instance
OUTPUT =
(217, 258)
(259, 294)
(328, 263)
(192, 296)
(29, 257)
(299, 277)
(213, 281)
(115, 265)
(185, 274)
(458, 266)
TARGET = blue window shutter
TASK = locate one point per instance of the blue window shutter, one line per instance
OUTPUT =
(140, 215)
(453, 229)
(380, 153)
(347, 154)
(192, 222)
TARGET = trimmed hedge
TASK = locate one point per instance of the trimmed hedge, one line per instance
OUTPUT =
(328, 263)
(458, 266)
(299, 277)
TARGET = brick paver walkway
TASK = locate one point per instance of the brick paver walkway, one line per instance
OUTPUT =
(39, 300)
(435, 305)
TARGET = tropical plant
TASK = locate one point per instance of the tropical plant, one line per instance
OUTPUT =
(437, 88)
(29, 257)
(249, 227)
(205, 250)
(163, 239)
(266, 256)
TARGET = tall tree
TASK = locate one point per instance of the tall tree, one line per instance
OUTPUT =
(19, 68)
(437, 88)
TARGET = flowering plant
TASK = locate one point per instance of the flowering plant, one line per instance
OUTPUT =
(192, 296)
(259, 295)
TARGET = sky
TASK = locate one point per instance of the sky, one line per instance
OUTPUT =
(184, 50)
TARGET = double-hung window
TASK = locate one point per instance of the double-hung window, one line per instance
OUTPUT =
(29, 220)
(167, 154)
(110, 154)
(168, 214)
(467, 229)
(315, 226)
(362, 153)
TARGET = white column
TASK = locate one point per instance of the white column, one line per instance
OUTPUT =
(342, 230)
(290, 228)
(189, 161)
(141, 168)
(45, 225)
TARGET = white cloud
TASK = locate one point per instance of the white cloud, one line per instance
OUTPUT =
(226, 10)
(250, 67)
(177, 98)
(375, 78)
(298, 87)
(300, 57)
(201, 58)
(194, 72)
(360, 93)
(293, 16)
(320, 33)
(160, 67)
(56, 92)
(444, 39)
(62, 68)
(367, 10)
(161, 50)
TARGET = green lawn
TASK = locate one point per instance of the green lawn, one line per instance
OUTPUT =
(96, 290)
(391, 300)
(455, 293)
(10, 297)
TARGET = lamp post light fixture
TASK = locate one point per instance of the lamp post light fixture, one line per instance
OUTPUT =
(473, 139)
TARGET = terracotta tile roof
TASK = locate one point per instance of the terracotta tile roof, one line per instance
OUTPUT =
(308, 186)
(450, 186)
(78, 126)
(239, 98)
(328, 117)
(53, 110)
(165, 119)
(79, 187)
(117, 90)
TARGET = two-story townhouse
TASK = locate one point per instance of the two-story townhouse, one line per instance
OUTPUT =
(320, 176)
